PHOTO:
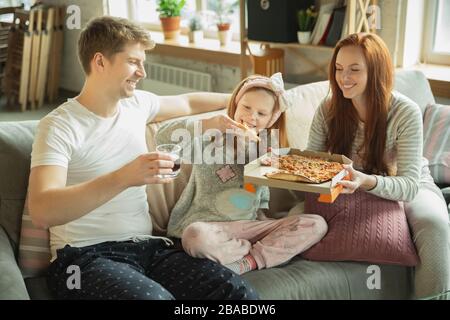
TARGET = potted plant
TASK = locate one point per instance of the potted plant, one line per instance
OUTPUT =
(306, 20)
(195, 29)
(169, 14)
(223, 10)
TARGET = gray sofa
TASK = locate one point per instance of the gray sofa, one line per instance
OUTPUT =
(299, 279)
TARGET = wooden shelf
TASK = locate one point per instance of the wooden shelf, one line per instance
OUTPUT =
(206, 44)
(208, 50)
(294, 45)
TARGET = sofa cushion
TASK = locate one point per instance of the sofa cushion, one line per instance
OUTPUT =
(436, 145)
(312, 280)
(34, 248)
(16, 139)
(12, 285)
(414, 85)
(306, 99)
(362, 227)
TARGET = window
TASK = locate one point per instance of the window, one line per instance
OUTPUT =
(147, 11)
(437, 45)
(12, 3)
(118, 8)
(231, 11)
(144, 11)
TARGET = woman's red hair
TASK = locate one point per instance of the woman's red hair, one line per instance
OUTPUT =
(342, 117)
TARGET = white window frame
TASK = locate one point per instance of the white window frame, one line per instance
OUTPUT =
(200, 5)
(12, 3)
(131, 8)
(428, 54)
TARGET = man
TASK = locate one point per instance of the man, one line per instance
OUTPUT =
(88, 174)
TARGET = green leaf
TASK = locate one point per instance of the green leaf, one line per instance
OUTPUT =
(170, 8)
(306, 19)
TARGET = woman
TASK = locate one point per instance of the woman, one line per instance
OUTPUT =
(381, 131)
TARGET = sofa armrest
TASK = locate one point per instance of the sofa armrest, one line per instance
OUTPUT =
(12, 285)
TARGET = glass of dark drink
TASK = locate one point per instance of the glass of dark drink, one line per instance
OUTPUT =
(175, 151)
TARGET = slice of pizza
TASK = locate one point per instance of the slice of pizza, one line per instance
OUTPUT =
(305, 169)
(250, 133)
(286, 175)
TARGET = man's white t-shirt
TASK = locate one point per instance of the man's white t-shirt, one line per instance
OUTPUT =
(89, 146)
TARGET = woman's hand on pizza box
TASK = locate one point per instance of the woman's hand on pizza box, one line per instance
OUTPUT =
(357, 180)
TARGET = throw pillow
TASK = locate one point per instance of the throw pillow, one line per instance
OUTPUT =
(436, 146)
(305, 101)
(34, 248)
(362, 227)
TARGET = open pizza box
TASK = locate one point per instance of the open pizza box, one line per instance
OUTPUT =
(254, 173)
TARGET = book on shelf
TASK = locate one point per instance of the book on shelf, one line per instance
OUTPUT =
(337, 25)
(323, 20)
(327, 30)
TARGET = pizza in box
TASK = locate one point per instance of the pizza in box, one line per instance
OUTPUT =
(304, 169)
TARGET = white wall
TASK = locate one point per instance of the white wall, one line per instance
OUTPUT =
(403, 30)
(414, 26)
(72, 75)
(390, 23)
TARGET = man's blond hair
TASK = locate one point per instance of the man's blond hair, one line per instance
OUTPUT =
(109, 35)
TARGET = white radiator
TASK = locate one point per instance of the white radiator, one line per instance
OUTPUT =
(168, 80)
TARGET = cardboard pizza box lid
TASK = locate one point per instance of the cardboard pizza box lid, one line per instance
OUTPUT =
(254, 172)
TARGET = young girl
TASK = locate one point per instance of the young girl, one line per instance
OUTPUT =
(216, 217)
